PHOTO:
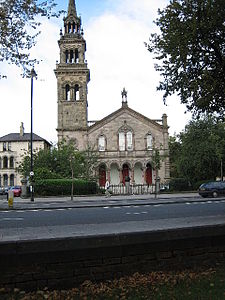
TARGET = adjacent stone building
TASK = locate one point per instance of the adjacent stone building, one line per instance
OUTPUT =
(13, 147)
(125, 139)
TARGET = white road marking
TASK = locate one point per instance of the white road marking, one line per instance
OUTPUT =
(188, 203)
(144, 212)
(116, 207)
(106, 207)
(157, 205)
(12, 219)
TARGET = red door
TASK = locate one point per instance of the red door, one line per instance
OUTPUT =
(125, 172)
(102, 176)
(148, 174)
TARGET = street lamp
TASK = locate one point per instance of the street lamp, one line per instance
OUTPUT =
(33, 74)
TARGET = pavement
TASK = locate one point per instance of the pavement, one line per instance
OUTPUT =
(96, 201)
(47, 233)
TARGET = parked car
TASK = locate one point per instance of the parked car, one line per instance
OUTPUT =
(212, 188)
(3, 190)
(16, 191)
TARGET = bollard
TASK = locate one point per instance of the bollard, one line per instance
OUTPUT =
(10, 198)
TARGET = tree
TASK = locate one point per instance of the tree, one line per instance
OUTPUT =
(191, 53)
(64, 161)
(19, 29)
(199, 150)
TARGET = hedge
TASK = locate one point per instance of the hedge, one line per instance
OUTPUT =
(180, 184)
(62, 187)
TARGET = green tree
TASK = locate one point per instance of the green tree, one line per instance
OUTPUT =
(63, 161)
(174, 150)
(190, 50)
(19, 28)
(200, 151)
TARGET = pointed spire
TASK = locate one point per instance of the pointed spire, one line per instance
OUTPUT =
(72, 8)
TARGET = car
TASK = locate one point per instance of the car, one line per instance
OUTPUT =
(3, 190)
(16, 191)
(212, 188)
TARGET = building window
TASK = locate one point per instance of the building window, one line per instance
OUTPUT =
(126, 141)
(0, 180)
(5, 162)
(11, 162)
(4, 146)
(9, 146)
(67, 92)
(77, 92)
(11, 180)
(0, 163)
(5, 180)
(129, 141)
(101, 143)
(122, 141)
(149, 141)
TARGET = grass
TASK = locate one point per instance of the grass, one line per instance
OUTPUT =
(206, 284)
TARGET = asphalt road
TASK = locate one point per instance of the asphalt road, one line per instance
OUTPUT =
(106, 214)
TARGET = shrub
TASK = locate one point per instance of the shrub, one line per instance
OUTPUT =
(180, 184)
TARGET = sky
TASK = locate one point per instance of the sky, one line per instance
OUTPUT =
(115, 32)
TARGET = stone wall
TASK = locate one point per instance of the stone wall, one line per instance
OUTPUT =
(65, 263)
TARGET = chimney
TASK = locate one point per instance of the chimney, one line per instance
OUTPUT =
(21, 129)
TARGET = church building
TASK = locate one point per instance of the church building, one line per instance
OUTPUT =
(125, 140)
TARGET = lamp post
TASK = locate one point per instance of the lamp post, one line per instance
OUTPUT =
(33, 74)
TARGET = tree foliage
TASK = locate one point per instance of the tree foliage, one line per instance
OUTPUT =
(190, 50)
(19, 28)
(197, 152)
(59, 162)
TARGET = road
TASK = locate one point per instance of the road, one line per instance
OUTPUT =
(107, 214)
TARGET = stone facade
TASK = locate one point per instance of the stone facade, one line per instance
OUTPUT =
(126, 140)
(13, 147)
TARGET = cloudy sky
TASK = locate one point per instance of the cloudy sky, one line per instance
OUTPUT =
(115, 32)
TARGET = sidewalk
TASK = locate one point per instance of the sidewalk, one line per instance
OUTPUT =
(97, 201)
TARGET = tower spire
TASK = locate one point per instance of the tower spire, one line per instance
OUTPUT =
(72, 8)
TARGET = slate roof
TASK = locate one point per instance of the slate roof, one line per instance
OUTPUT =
(16, 137)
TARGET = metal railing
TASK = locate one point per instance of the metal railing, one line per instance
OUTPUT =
(134, 189)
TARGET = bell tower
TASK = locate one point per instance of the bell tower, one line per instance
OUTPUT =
(72, 76)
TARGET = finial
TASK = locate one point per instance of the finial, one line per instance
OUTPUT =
(124, 95)
(72, 8)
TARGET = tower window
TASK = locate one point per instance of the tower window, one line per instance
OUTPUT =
(77, 92)
(76, 56)
(67, 56)
(69, 27)
(71, 57)
(68, 92)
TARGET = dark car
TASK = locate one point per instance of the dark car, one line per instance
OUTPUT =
(212, 188)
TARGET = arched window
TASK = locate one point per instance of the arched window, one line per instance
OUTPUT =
(5, 162)
(67, 56)
(129, 141)
(5, 180)
(101, 143)
(122, 146)
(68, 92)
(11, 180)
(125, 141)
(76, 56)
(69, 27)
(77, 92)
(149, 141)
(71, 57)
(11, 162)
